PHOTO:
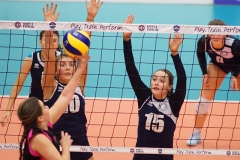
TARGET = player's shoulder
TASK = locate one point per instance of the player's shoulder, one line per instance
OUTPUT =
(30, 55)
(229, 40)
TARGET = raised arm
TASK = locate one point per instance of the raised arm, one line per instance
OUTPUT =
(25, 69)
(92, 10)
(48, 80)
(140, 89)
(179, 95)
(66, 96)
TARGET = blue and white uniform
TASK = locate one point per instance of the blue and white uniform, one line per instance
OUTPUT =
(36, 71)
(227, 58)
(156, 117)
(72, 121)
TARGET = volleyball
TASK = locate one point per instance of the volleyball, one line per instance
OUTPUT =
(76, 43)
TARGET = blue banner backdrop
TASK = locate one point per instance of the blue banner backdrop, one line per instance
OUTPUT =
(227, 2)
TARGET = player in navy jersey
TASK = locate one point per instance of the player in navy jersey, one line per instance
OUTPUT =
(56, 76)
(37, 119)
(33, 64)
(158, 106)
(224, 53)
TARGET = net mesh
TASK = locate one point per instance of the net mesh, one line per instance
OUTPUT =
(111, 106)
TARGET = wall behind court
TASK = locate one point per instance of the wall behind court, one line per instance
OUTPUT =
(133, 1)
(111, 57)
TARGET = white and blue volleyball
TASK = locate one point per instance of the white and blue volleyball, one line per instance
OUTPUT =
(76, 43)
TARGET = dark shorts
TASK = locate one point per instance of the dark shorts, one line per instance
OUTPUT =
(83, 141)
(152, 157)
(225, 68)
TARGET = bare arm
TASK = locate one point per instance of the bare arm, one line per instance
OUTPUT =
(83, 79)
(25, 69)
(48, 80)
(47, 150)
(92, 10)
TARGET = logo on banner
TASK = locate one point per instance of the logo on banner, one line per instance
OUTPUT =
(139, 151)
(132, 150)
(141, 28)
(152, 28)
(176, 28)
(52, 25)
(28, 25)
(17, 24)
(228, 153)
(160, 151)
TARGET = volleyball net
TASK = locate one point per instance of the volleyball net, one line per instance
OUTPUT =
(111, 106)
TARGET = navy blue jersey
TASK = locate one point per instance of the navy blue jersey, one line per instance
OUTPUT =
(72, 121)
(36, 74)
(227, 58)
(29, 153)
(156, 118)
(36, 71)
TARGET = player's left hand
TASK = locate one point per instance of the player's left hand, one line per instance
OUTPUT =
(234, 83)
(49, 13)
(175, 43)
(92, 8)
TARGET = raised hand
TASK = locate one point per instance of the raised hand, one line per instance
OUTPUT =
(129, 20)
(92, 9)
(49, 14)
(175, 43)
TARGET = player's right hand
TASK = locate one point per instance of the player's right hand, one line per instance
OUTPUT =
(129, 20)
(5, 118)
(66, 140)
(205, 79)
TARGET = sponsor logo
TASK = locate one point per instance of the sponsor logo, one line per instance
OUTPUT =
(28, 25)
(159, 151)
(36, 65)
(150, 103)
(132, 150)
(176, 28)
(139, 151)
(65, 42)
(235, 153)
(17, 24)
(52, 25)
(141, 28)
(152, 28)
(228, 153)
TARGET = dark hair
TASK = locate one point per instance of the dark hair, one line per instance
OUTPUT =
(171, 79)
(217, 22)
(54, 32)
(28, 112)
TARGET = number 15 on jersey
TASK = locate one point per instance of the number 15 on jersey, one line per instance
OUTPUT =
(154, 122)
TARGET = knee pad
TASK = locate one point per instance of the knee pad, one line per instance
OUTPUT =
(202, 106)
